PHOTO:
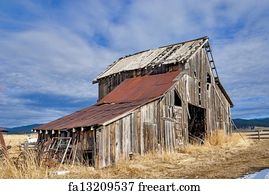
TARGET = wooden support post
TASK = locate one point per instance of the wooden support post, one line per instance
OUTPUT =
(68, 144)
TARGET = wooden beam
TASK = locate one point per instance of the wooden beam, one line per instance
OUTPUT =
(170, 119)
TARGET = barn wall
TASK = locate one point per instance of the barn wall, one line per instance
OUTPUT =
(171, 124)
(195, 86)
(202, 91)
(139, 132)
(156, 126)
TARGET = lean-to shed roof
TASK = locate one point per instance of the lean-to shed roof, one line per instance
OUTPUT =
(90, 116)
(129, 95)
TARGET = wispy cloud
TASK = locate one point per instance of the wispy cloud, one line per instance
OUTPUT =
(57, 47)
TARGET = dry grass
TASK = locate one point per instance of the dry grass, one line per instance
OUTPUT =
(219, 141)
(22, 168)
(221, 156)
(219, 138)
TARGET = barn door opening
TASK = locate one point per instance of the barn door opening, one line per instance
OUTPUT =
(196, 124)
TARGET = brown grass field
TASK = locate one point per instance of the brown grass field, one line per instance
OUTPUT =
(220, 157)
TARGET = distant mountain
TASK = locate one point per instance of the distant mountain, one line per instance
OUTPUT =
(246, 123)
(240, 123)
(22, 129)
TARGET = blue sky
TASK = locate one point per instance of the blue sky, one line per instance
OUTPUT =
(50, 51)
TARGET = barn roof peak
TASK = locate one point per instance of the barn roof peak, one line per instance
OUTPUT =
(163, 55)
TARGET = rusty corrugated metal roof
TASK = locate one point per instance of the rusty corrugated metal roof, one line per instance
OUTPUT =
(93, 115)
(129, 95)
(141, 88)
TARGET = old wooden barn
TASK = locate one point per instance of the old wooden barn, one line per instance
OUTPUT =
(154, 100)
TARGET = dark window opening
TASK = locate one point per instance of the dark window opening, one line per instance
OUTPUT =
(208, 78)
(177, 99)
(88, 158)
(197, 124)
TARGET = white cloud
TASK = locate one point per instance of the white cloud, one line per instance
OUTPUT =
(14, 112)
(50, 61)
(56, 51)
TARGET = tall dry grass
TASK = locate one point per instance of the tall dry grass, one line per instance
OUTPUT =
(219, 140)
(18, 163)
(24, 166)
(191, 161)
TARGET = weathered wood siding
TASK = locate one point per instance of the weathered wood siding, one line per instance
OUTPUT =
(155, 126)
(134, 133)
(199, 91)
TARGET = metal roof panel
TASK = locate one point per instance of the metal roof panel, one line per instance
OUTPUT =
(160, 55)
(129, 95)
